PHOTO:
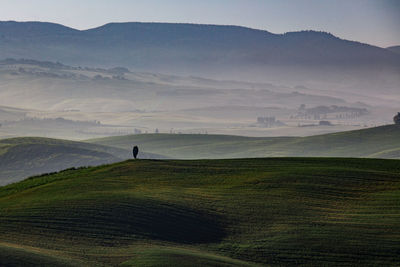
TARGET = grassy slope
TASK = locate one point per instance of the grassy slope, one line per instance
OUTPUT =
(278, 211)
(26, 156)
(20, 256)
(22, 157)
(382, 142)
(180, 257)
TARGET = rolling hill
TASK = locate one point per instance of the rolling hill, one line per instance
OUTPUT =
(395, 49)
(23, 157)
(186, 77)
(206, 50)
(57, 87)
(155, 44)
(77, 103)
(378, 142)
(238, 212)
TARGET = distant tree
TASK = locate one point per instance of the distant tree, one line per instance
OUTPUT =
(135, 151)
(396, 119)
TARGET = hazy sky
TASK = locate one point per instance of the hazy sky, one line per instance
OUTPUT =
(372, 21)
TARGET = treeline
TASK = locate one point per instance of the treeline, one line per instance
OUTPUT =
(336, 109)
(322, 112)
(60, 66)
(43, 64)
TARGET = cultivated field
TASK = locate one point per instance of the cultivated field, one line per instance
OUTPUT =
(237, 212)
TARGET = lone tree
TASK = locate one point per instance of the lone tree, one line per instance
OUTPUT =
(397, 119)
(135, 151)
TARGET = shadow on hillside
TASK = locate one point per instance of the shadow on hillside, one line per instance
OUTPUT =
(110, 221)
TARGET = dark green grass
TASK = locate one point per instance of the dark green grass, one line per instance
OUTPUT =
(180, 257)
(11, 256)
(27, 156)
(378, 142)
(277, 211)
(23, 157)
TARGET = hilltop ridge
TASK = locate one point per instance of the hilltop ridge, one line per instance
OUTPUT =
(152, 46)
(376, 142)
(26, 156)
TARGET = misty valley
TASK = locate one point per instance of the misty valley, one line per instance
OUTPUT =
(54, 100)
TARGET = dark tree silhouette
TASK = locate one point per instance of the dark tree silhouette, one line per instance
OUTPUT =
(396, 119)
(135, 151)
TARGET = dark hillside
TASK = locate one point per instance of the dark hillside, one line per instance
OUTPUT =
(23, 157)
(152, 46)
(395, 49)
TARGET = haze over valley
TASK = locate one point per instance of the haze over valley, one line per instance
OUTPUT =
(185, 78)
(188, 91)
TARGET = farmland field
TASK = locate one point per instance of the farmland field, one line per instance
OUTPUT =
(236, 212)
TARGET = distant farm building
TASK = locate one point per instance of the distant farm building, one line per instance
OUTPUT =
(396, 119)
(325, 123)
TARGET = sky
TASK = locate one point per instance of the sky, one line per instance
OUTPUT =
(376, 22)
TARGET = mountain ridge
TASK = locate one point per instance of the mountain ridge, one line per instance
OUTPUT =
(156, 45)
(394, 49)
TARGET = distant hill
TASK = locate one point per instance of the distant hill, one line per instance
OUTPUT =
(379, 142)
(9, 113)
(191, 48)
(78, 103)
(395, 49)
(53, 86)
(23, 157)
(243, 212)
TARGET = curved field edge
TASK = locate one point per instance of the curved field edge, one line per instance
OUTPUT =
(181, 257)
(24, 157)
(275, 211)
(15, 255)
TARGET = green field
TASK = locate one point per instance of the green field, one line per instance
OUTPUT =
(26, 156)
(22, 157)
(233, 212)
(378, 142)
